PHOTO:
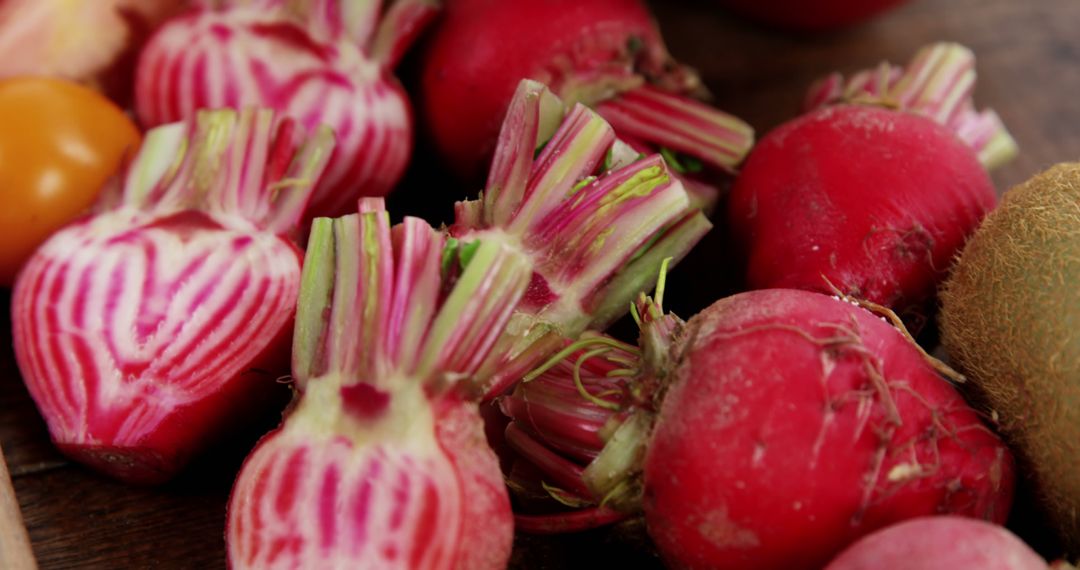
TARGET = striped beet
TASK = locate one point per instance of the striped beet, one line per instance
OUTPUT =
(139, 329)
(594, 218)
(380, 464)
(318, 61)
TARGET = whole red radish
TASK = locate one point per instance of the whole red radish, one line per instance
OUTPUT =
(940, 543)
(143, 330)
(317, 61)
(769, 432)
(381, 463)
(871, 198)
(819, 15)
(604, 53)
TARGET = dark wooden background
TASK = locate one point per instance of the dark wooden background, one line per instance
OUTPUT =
(1029, 70)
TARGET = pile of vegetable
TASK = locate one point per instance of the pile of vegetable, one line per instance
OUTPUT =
(143, 329)
(456, 383)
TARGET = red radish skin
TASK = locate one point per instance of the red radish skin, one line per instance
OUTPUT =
(940, 543)
(603, 53)
(317, 61)
(769, 432)
(141, 331)
(777, 446)
(869, 200)
(381, 463)
(821, 16)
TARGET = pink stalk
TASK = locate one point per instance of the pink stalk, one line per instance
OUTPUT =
(617, 387)
(680, 124)
(143, 330)
(317, 61)
(574, 432)
(607, 54)
(938, 84)
(696, 140)
(576, 521)
(563, 472)
(594, 221)
(380, 464)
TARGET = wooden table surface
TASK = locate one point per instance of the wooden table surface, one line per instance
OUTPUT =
(1029, 71)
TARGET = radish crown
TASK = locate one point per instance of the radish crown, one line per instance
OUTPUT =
(594, 402)
(938, 84)
(594, 219)
(230, 165)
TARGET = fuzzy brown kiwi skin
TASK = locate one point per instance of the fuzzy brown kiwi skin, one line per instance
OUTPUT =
(1010, 320)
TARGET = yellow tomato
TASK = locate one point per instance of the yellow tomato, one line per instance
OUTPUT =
(60, 143)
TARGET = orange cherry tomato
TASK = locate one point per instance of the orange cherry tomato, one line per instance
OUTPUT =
(60, 143)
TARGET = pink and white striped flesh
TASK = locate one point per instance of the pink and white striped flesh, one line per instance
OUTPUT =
(318, 61)
(139, 330)
(938, 84)
(594, 218)
(381, 464)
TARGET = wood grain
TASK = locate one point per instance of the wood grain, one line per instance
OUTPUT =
(1029, 71)
(15, 551)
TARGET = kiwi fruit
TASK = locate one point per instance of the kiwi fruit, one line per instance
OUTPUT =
(1010, 320)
